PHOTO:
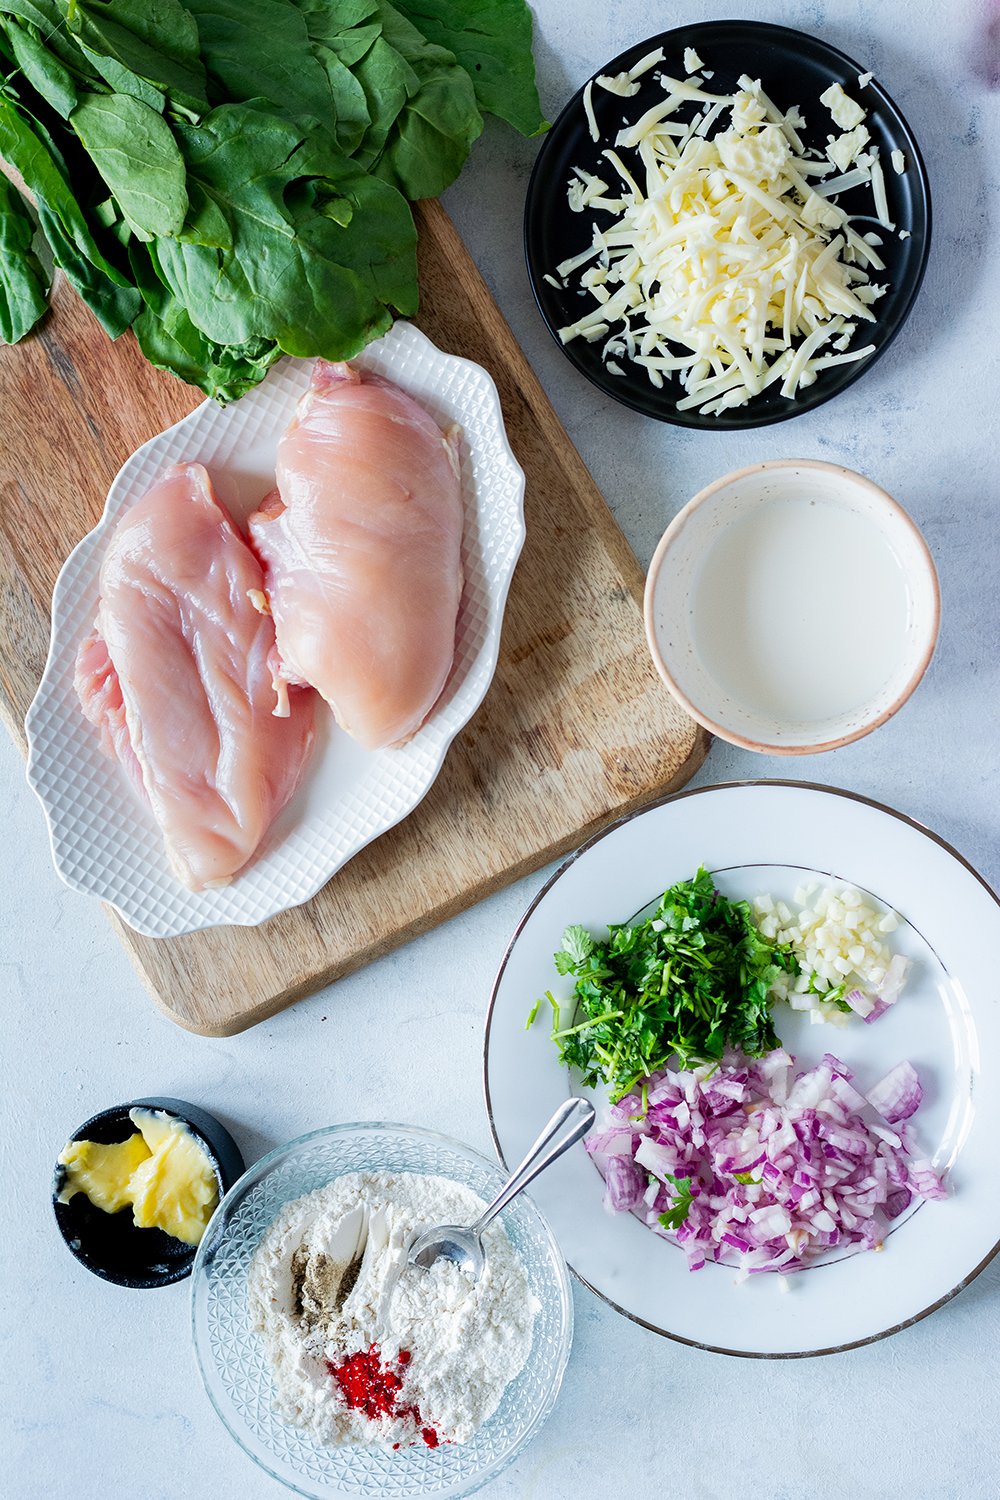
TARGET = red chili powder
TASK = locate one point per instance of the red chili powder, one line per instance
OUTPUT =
(369, 1386)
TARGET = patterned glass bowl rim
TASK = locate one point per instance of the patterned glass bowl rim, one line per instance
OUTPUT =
(367, 1465)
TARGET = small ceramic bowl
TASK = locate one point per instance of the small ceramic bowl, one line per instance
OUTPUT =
(111, 1245)
(792, 607)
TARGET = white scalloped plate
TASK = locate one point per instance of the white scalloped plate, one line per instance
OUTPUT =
(104, 841)
(757, 837)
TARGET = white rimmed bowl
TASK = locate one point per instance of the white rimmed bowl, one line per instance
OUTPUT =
(673, 603)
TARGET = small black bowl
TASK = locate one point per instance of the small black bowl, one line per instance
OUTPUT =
(111, 1245)
(793, 69)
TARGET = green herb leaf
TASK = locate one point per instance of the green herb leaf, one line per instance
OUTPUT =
(43, 70)
(675, 1215)
(285, 71)
(23, 286)
(136, 154)
(318, 251)
(493, 43)
(577, 947)
(686, 982)
(107, 291)
(138, 44)
(427, 143)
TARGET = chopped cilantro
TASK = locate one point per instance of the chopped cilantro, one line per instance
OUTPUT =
(686, 982)
(675, 1215)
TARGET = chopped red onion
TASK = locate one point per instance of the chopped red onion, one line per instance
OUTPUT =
(817, 1170)
(897, 1096)
(860, 1003)
(895, 978)
(625, 1183)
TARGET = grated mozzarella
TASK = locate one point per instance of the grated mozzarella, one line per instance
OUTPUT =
(846, 112)
(722, 265)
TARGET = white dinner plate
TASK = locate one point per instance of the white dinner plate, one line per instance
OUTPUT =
(104, 841)
(760, 837)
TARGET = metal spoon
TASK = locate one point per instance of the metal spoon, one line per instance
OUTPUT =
(464, 1246)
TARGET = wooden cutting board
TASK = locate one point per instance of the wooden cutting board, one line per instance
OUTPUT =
(575, 730)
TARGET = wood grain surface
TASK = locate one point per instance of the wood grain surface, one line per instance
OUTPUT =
(575, 730)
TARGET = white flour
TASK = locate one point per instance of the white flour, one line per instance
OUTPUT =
(327, 1281)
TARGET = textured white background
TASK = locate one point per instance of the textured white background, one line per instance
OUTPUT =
(98, 1391)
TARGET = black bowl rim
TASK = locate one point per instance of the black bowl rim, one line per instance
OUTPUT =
(222, 1151)
(710, 30)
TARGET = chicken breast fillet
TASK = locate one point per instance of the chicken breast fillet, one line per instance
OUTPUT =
(176, 679)
(362, 553)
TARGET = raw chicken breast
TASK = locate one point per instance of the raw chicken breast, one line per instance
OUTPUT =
(361, 547)
(176, 679)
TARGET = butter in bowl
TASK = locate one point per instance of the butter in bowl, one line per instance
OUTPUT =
(792, 607)
(135, 1189)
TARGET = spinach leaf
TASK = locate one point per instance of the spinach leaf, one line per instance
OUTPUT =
(427, 143)
(136, 154)
(43, 70)
(136, 44)
(170, 341)
(247, 162)
(304, 80)
(348, 28)
(112, 300)
(387, 82)
(351, 114)
(284, 71)
(47, 21)
(23, 285)
(319, 250)
(492, 41)
(106, 290)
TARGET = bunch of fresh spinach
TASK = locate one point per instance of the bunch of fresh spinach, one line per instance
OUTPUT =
(230, 178)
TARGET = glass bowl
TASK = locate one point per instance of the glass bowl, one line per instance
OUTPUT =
(231, 1355)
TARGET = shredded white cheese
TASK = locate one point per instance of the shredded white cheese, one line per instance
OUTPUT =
(846, 112)
(878, 191)
(645, 63)
(898, 162)
(692, 62)
(846, 147)
(722, 264)
(588, 109)
(620, 84)
(864, 79)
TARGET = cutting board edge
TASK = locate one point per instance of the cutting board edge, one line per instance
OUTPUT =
(701, 744)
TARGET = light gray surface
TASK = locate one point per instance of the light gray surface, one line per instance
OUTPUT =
(98, 1387)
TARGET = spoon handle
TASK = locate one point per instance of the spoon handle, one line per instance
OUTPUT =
(571, 1121)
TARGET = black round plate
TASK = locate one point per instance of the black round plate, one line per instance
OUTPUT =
(793, 69)
(111, 1245)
